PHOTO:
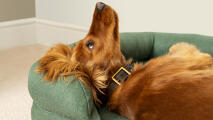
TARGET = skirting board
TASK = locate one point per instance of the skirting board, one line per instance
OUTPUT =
(33, 30)
(51, 32)
(17, 33)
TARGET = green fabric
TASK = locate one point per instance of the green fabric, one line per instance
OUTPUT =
(136, 45)
(73, 101)
(163, 41)
(38, 113)
(106, 115)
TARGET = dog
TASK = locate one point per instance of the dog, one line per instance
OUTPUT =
(175, 86)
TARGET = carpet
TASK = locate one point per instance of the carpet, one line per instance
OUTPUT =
(15, 101)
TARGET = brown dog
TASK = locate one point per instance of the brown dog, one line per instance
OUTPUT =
(176, 86)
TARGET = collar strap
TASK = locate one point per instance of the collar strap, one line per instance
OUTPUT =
(122, 74)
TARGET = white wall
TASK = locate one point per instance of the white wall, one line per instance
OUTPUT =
(17, 33)
(183, 16)
(77, 12)
(51, 33)
(67, 21)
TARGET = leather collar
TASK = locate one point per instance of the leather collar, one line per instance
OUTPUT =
(119, 77)
(122, 74)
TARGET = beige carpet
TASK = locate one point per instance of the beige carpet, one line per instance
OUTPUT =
(15, 101)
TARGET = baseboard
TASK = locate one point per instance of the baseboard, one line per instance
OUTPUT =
(50, 32)
(61, 25)
(18, 22)
(17, 33)
(35, 30)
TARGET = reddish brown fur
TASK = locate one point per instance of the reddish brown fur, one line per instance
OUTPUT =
(170, 87)
(93, 67)
(176, 86)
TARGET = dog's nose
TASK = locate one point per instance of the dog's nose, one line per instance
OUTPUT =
(100, 6)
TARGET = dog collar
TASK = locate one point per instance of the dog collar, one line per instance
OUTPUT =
(119, 77)
(122, 74)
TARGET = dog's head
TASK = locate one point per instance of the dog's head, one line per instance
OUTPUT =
(93, 59)
(99, 52)
(102, 44)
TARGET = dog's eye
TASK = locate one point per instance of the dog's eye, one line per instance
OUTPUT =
(90, 44)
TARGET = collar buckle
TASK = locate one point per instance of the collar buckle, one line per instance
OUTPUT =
(121, 75)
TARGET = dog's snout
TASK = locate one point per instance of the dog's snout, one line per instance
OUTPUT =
(100, 6)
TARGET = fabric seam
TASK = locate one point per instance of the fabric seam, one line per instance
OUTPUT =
(54, 112)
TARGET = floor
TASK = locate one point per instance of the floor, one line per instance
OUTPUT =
(15, 101)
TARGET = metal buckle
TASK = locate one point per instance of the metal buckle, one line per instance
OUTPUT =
(113, 77)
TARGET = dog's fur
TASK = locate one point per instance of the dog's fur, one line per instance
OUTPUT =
(176, 86)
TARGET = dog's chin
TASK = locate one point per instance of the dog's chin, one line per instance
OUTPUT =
(103, 19)
(106, 16)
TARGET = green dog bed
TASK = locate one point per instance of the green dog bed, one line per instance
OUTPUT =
(73, 101)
